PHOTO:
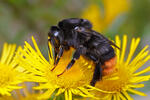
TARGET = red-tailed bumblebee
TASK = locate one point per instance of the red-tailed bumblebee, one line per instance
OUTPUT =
(78, 33)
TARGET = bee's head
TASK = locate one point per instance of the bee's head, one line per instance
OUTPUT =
(55, 36)
(74, 23)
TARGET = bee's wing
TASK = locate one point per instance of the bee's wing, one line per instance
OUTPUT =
(109, 41)
(113, 44)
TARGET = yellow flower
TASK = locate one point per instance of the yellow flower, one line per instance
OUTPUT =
(9, 76)
(73, 81)
(112, 9)
(129, 77)
(23, 94)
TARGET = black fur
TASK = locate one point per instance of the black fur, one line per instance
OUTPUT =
(78, 33)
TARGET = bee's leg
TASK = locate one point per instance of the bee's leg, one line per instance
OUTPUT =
(55, 55)
(61, 50)
(76, 56)
(51, 41)
(97, 74)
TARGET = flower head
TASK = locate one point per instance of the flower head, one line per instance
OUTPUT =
(103, 19)
(24, 94)
(73, 81)
(10, 77)
(128, 77)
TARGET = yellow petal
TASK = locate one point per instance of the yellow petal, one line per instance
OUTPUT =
(47, 94)
(127, 95)
(137, 92)
(133, 47)
(124, 45)
(66, 95)
(136, 85)
(142, 72)
(38, 51)
(61, 90)
(118, 43)
(121, 96)
(70, 94)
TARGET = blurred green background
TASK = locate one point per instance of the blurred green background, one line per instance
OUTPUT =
(20, 19)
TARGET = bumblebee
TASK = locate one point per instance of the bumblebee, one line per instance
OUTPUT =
(78, 33)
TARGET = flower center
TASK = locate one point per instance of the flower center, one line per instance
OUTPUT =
(78, 75)
(118, 84)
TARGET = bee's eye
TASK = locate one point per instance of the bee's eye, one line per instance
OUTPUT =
(79, 29)
(76, 28)
(56, 33)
